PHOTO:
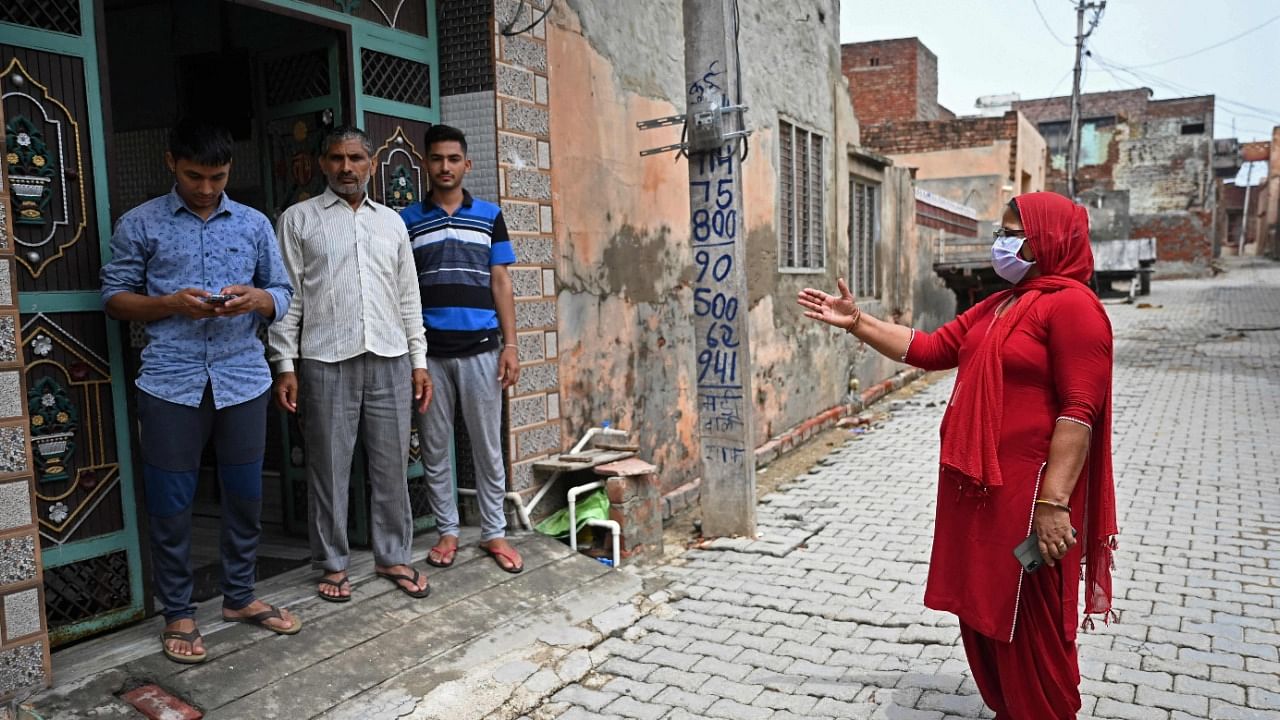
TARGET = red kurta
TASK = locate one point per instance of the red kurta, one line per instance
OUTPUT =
(1056, 364)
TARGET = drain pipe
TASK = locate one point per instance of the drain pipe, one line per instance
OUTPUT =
(613, 525)
(521, 511)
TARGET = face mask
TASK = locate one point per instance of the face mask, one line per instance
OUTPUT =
(1005, 260)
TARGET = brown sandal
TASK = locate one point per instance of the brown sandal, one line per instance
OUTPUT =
(191, 637)
(397, 578)
(337, 584)
(260, 619)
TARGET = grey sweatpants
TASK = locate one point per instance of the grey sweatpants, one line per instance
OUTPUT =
(369, 397)
(470, 384)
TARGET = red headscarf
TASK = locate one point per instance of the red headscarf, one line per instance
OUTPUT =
(1057, 231)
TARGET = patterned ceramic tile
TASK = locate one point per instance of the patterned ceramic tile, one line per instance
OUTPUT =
(13, 449)
(21, 614)
(17, 559)
(528, 411)
(22, 667)
(10, 393)
(8, 339)
(539, 440)
(535, 314)
(6, 279)
(537, 377)
(15, 502)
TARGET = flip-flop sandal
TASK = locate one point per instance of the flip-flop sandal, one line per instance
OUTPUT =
(337, 584)
(517, 566)
(397, 578)
(260, 619)
(446, 557)
(191, 637)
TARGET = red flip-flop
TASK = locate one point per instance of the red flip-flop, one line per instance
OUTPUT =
(517, 565)
(446, 557)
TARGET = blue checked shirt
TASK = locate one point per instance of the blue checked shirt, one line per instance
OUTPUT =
(161, 247)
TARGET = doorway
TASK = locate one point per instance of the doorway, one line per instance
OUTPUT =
(277, 82)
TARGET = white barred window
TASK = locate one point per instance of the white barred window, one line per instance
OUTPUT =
(801, 202)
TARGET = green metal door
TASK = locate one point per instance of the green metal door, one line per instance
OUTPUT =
(76, 389)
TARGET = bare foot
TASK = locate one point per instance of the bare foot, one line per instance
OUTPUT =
(341, 590)
(284, 623)
(182, 647)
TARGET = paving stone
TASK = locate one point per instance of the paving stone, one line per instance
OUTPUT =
(631, 688)
(731, 710)
(629, 707)
(840, 619)
(584, 697)
(678, 698)
(736, 691)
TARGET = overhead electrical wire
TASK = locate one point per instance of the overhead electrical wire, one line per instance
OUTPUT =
(1047, 26)
(1207, 48)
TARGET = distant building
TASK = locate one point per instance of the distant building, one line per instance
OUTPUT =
(1146, 170)
(892, 80)
(978, 163)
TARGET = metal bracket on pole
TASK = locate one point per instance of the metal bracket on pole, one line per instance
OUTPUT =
(707, 128)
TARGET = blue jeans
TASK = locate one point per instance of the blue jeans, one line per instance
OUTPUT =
(173, 437)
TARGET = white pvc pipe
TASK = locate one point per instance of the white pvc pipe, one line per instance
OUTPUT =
(586, 437)
(573, 494)
(521, 511)
(617, 535)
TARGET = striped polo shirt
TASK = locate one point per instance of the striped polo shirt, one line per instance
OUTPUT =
(453, 254)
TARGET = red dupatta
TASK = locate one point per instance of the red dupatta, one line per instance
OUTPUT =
(1058, 233)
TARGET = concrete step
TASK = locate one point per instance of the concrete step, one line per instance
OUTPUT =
(351, 658)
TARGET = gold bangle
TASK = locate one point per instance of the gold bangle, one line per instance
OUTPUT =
(857, 318)
(1055, 505)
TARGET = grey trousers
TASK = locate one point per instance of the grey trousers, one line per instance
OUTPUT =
(371, 398)
(471, 385)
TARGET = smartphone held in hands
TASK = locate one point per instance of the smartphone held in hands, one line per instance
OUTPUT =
(1028, 552)
(219, 299)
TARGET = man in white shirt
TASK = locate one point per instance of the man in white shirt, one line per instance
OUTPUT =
(356, 326)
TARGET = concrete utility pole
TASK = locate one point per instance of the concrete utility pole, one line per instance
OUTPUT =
(1244, 214)
(728, 493)
(1073, 136)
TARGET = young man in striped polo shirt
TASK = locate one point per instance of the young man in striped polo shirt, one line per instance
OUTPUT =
(461, 250)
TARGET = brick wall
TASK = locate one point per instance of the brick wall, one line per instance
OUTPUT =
(896, 138)
(884, 79)
(1128, 103)
(892, 80)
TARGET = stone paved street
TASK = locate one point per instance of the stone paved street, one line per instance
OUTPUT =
(822, 616)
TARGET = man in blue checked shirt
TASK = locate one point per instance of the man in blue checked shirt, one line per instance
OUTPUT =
(203, 272)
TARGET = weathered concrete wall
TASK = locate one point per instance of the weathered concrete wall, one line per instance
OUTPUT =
(625, 306)
(1031, 156)
(1161, 153)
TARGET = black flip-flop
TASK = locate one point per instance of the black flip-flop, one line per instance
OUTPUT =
(190, 637)
(338, 584)
(397, 578)
(260, 619)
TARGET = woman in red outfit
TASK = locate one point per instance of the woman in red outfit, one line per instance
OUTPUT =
(1026, 447)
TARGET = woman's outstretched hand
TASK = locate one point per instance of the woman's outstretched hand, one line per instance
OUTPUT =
(838, 310)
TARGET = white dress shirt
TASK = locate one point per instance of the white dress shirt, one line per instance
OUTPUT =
(355, 285)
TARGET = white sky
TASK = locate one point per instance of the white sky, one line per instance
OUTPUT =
(988, 47)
